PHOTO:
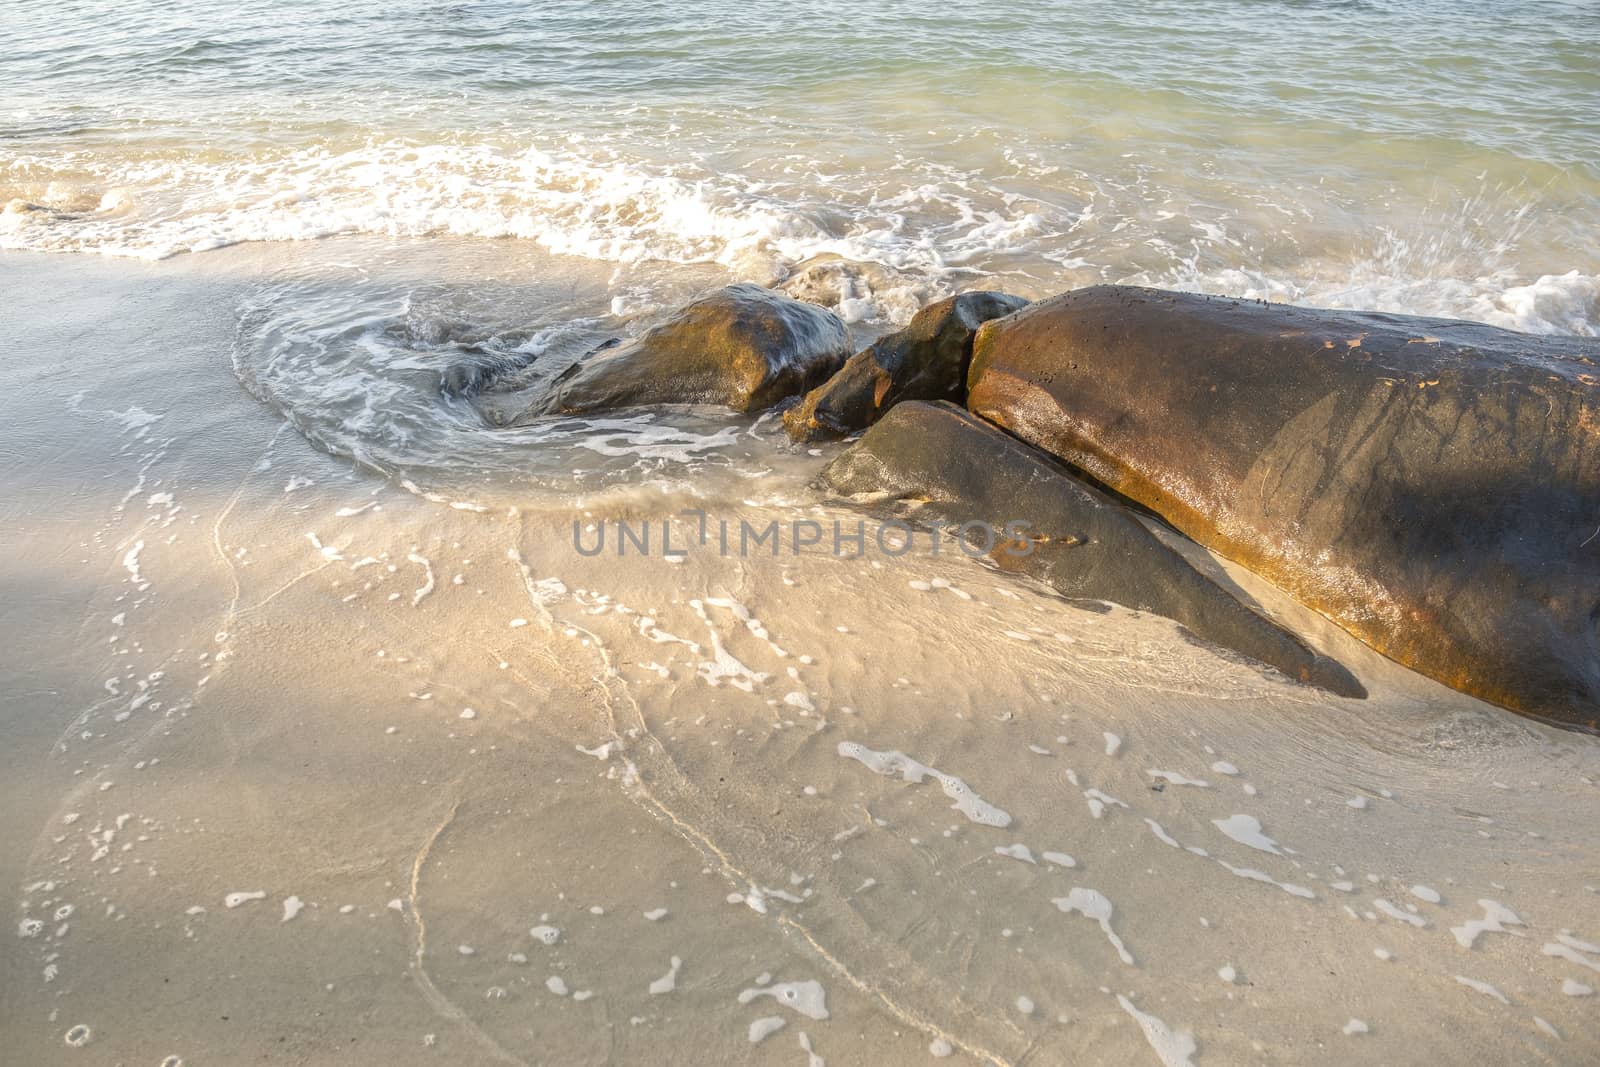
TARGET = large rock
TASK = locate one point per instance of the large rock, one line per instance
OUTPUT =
(1075, 538)
(925, 361)
(1432, 486)
(743, 347)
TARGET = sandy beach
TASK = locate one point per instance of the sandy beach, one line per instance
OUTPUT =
(484, 559)
(302, 766)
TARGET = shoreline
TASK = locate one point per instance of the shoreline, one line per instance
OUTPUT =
(585, 778)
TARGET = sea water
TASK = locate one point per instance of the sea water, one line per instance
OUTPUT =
(320, 738)
(1410, 155)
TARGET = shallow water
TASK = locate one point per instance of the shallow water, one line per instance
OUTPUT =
(323, 740)
(327, 753)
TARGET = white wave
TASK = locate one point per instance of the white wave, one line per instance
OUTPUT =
(911, 232)
(1551, 304)
(606, 209)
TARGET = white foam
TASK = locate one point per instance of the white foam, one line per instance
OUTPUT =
(1355, 1027)
(1571, 955)
(130, 562)
(1094, 905)
(1113, 743)
(426, 587)
(1261, 876)
(292, 906)
(807, 998)
(1246, 830)
(1482, 987)
(723, 666)
(669, 981)
(765, 1027)
(1496, 917)
(1099, 802)
(556, 984)
(1178, 779)
(1173, 1048)
(1573, 988)
(1017, 852)
(967, 802)
(233, 900)
(1394, 912)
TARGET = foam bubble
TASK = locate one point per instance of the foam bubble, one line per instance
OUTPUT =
(1496, 917)
(891, 762)
(1246, 829)
(807, 998)
(1482, 987)
(669, 981)
(1094, 905)
(765, 1027)
(1173, 1048)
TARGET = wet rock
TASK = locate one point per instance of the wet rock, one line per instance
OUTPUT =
(1070, 535)
(1432, 486)
(743, 347)
(925, 361)
(482, 369)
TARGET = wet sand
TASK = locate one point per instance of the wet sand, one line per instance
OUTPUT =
(428, 732)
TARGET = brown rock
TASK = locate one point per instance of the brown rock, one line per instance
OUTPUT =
(742, 347)
(1054, 527)
(925, 361)
(1432, 486)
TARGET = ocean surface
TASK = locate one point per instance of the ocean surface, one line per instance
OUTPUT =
(1414, 155)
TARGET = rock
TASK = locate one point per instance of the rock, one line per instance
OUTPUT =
(487, 370)
(925, 361)
(1079, 541)
(1431, 486)
(743, 347)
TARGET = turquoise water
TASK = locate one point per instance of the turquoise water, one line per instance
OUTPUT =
(1431, 157)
